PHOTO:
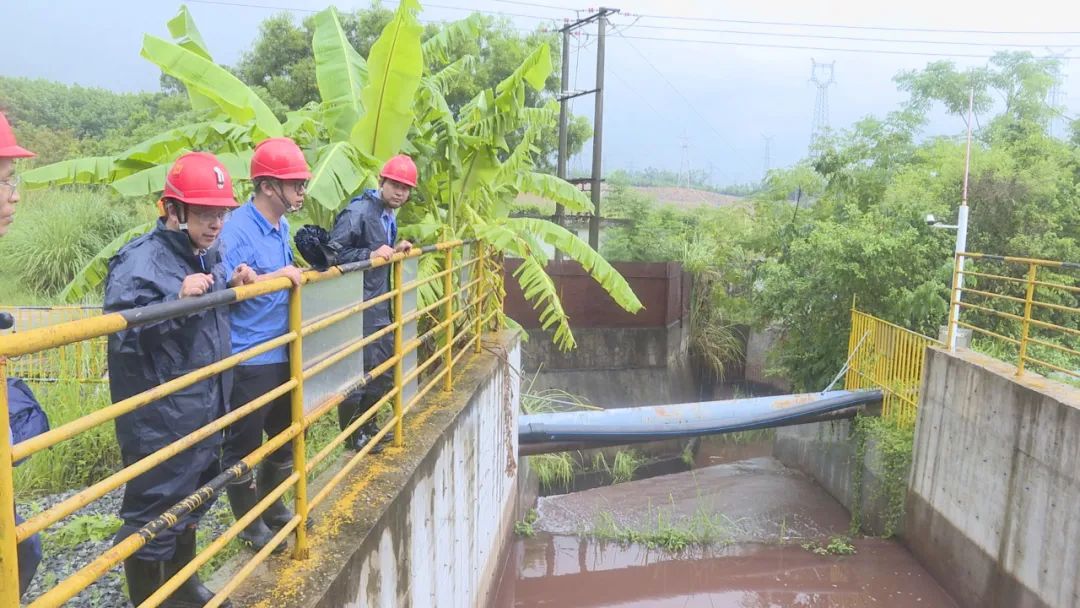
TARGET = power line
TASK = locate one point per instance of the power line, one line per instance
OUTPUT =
(538, 5)
(812, 48)
(388, 2)
(861, 27)
(680, 94)
(850, 38)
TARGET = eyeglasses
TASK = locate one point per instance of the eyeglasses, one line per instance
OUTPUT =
(300, 187)
(208, 216)
(11, 182)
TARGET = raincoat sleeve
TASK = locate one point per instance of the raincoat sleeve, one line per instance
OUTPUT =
(133, 285)
(349, 235)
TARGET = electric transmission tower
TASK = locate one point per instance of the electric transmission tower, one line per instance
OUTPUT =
(684, 164)
(821, 74)
(767, 164)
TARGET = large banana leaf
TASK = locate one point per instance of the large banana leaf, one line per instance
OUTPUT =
(90, 170)
(554, 189)
(87, 280)
(198, 136)
(576, 249)
(337, 175)
(438, 47)
(215, 82)
(152, 180)
(456, 70)
(510, 93)
(395, 65)
(184, 32)
(341, 73)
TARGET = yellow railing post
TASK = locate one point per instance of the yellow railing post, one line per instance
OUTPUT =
(954, 304)
(448, 318)
(1026, 325)
(296, 370)
(399, 305)
(479, 307)
(9, 566)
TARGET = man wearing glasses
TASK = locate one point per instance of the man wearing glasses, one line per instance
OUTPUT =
(178, 259)
(257, 235)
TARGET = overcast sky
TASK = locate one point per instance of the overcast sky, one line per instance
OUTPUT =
(717, 100)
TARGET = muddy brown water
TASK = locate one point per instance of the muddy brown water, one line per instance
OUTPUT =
(759, 512)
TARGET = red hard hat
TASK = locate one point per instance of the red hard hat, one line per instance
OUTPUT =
(279, 157)
(400, 168)
(8, 147)
(199, 178)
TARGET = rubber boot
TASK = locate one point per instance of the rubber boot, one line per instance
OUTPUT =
(271, 475)
(242, 497)
(192, 593)
(143, 578)
(367, 432)
(348, 411)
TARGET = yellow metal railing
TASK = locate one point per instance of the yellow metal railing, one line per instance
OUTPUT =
(468, 300)
(886, 356)
(1024, 310)
(83, 361)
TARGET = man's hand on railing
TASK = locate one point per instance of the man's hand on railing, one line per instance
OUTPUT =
(196, 285)
(290, 272)
(402, 246)
(384, 252)
(242, 275)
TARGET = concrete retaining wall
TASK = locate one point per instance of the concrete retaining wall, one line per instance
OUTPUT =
(423, 526)
(825, 451)
(993, 509)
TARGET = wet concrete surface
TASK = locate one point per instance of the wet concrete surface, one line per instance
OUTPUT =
(760, 514)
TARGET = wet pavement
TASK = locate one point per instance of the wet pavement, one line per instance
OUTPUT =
(758, 515)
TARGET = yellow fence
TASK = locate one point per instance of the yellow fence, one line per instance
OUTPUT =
(462, 298)
(1023, 310)
(83, 361)
(886, 356)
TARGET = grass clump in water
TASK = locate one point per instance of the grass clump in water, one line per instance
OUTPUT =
(525, 526)
(662, 531)
(837, 545)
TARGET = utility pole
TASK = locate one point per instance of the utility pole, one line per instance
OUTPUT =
(600, 16)
(598, 128)
(560, 211)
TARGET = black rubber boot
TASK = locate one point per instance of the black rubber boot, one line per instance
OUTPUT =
(192, 593)
(143, 578)
(271, 475)
(242, 497)
(348, 411)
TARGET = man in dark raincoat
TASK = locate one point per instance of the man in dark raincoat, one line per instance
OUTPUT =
(367, 229)
(177, 259)
(25, 416)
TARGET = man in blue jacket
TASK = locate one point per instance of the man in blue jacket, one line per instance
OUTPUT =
(367, 229)
(257, 234)
(178, 259)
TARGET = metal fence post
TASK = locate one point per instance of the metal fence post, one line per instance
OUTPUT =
(399, 305)
(954, 304)
(480, 286)
(9, 566)
(296, 370)
(448, 314)
(1026, 327)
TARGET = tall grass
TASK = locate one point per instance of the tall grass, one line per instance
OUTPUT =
(78, 462)
(56, 233)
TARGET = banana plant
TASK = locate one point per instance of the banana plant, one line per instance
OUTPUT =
(370, 110)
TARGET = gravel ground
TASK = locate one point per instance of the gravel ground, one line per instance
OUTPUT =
(62, 559)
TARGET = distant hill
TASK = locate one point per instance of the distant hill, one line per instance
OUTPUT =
(685, 198)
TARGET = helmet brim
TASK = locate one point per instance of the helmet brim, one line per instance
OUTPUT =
(16, 152)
